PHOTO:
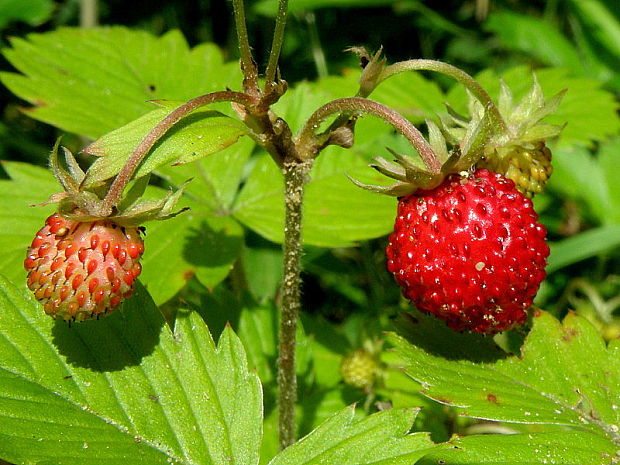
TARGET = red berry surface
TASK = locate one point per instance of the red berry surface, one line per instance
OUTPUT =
(470, 251)
(80, 270)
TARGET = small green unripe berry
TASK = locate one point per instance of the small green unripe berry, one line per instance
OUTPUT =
(529, 168)
(359, 368)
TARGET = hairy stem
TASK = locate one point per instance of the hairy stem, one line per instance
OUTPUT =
(455, 73)
(250, 73)
(309, 143)
(294, 179)
(115, 192)
(276, 44)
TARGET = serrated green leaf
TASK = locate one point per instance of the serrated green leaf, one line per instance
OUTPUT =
(92, 81)
(565, 448)
(124, 386)
(403, 393)
(564, 375)
(199, 134)
(378, 439)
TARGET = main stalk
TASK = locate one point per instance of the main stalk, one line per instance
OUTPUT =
(295, 173)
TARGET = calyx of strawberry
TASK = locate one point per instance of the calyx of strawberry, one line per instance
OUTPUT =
(495, 131)
(491, 136)
(80, 204)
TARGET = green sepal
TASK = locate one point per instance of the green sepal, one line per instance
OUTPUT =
(456, 117)
(372, 66)
(391, 170)
(549, 107)
(542, 131)
(437, 141)
(505, 101)
(460, 142)
(478, 136)
(399, 189)
(150, 210)
(410, 164)
(532, 101)
(74, 168)
(79, 207)
(64, 177)
(135, 192)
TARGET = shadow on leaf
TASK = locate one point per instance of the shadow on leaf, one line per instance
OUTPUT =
(206, 247)
(434, 337)
(114, 342)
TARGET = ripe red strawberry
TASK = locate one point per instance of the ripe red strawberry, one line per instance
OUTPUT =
(470, 251)
(81, 270)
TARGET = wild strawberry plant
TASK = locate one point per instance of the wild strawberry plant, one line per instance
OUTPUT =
(206, 361)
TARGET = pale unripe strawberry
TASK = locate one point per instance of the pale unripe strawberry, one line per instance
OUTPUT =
(80, 270)
(84, 261)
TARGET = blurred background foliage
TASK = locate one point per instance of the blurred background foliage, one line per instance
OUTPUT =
(348, 296)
